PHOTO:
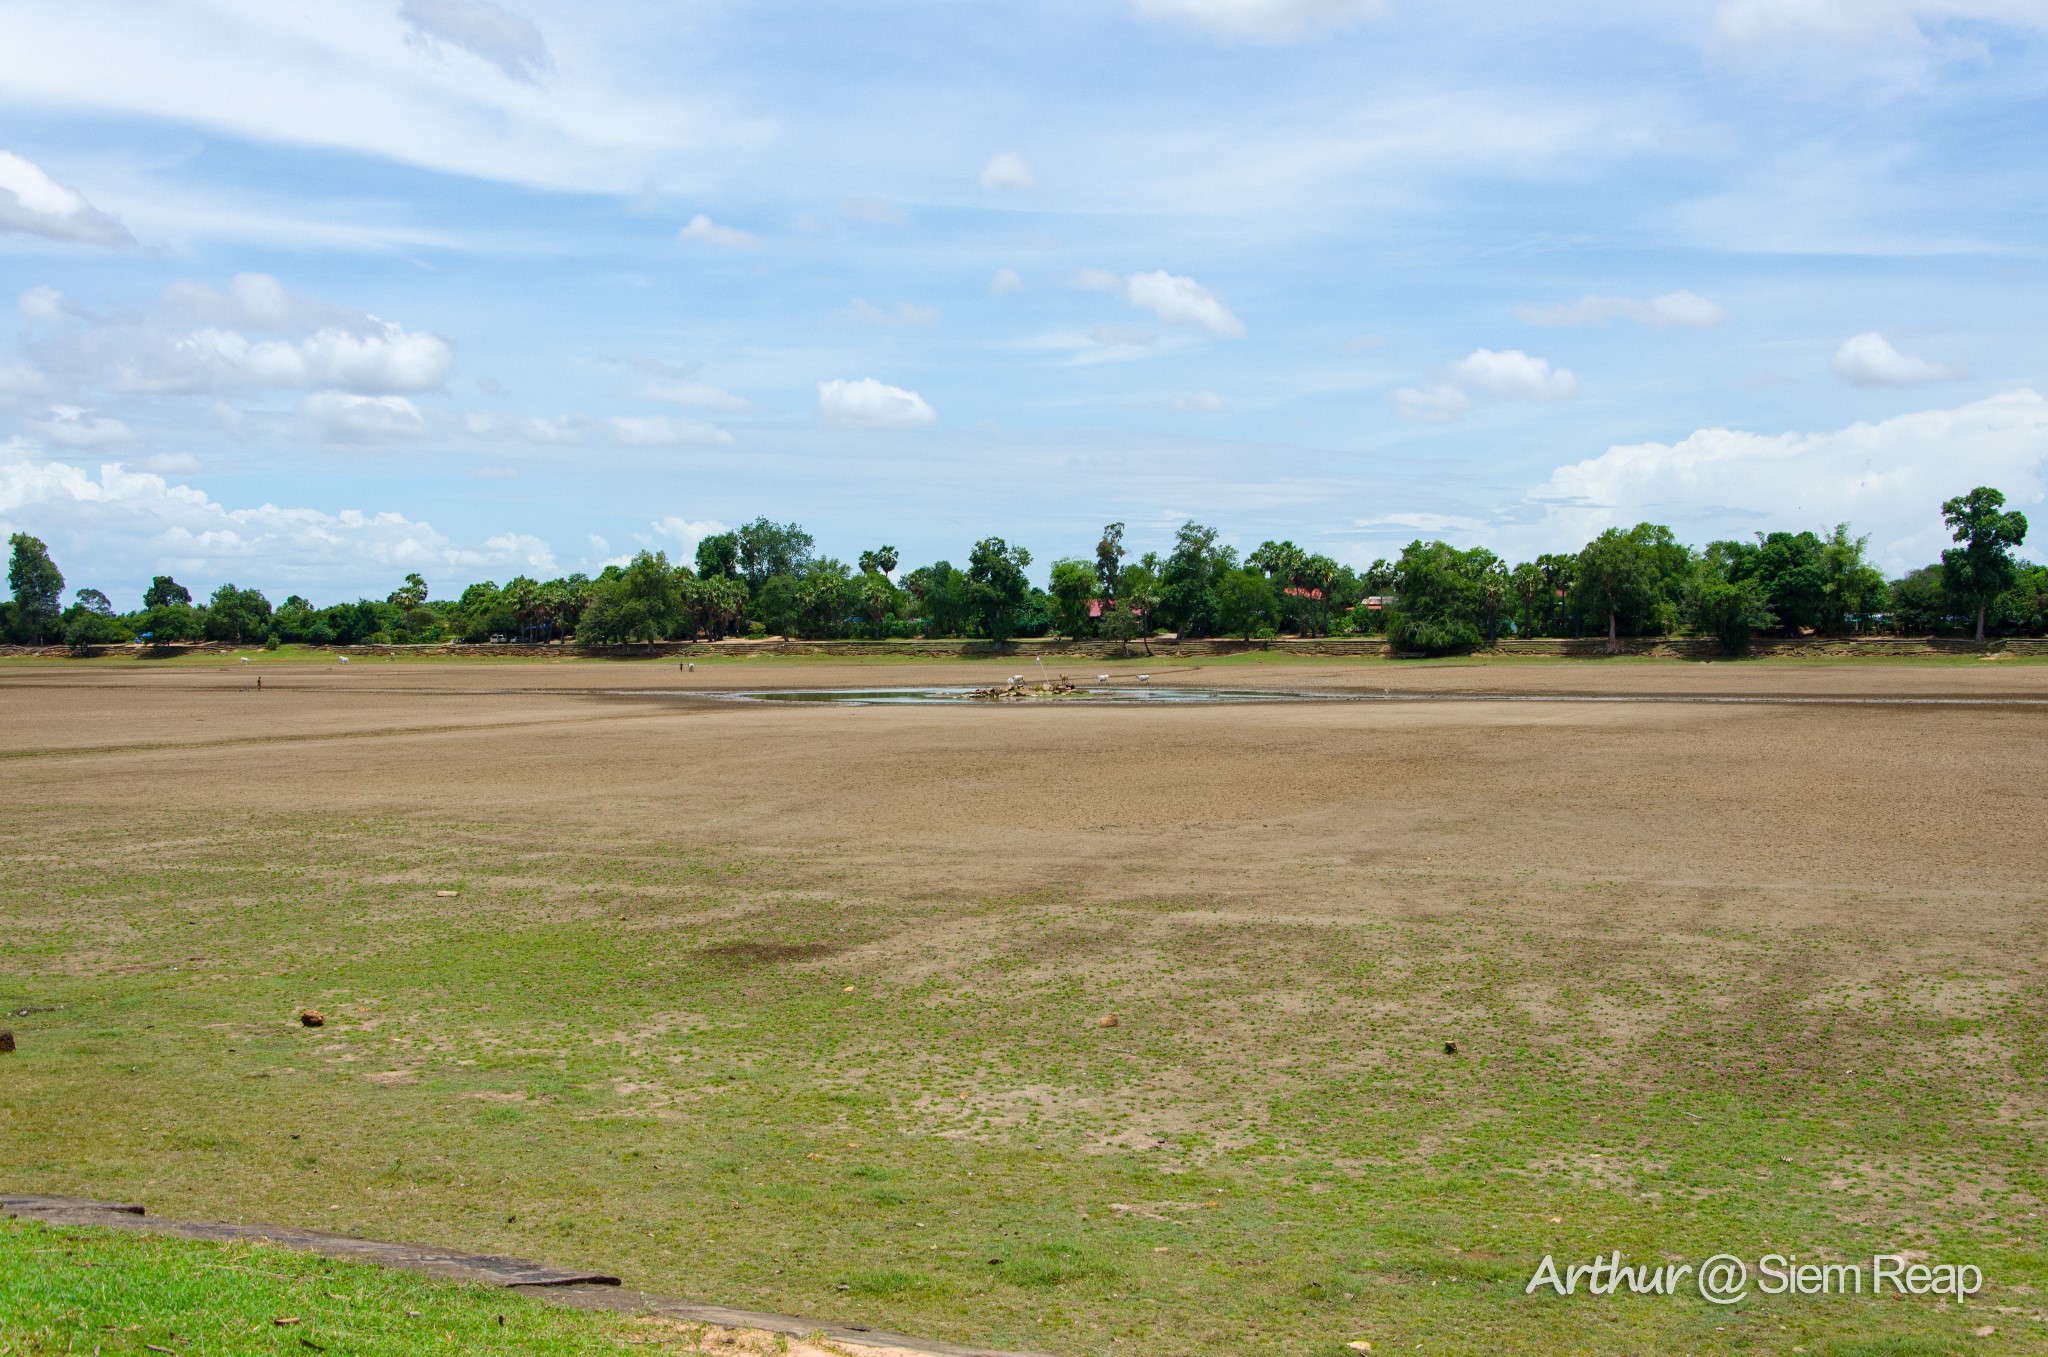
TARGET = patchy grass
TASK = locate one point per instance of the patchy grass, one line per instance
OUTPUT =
(734, 1079)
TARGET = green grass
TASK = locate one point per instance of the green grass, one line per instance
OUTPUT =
(119, 1291)
(614, 1053)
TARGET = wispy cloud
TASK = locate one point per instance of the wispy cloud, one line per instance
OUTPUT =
(1263, 20)
(506, 40)
(1008, 171)
(1673, 308)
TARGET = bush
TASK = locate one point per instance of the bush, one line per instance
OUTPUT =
(270, 642)
(1434, 636)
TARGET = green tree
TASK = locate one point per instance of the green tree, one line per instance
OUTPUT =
(1560, 575)
(768, 549)
(1438, 608)
(2024, 607)
(1188, 579)
(1921, 602)
(880, 601)
(826, 596)
(1852, 588)
(1109, 559)
(1618, 576)
(236, 615)
(1982, 567)
(1305, 584)
(1732, 610)
(997, 588)
(941, 593)
(410, 595)
(882, 560)
(1246, 602)
(1527, 583)
(163, 590)
(721, 601)
(1074, 585)
(169, 622)
(1130, 616)
(643, 602)
(1281, 562)
(528, 604)
(1496, 592)
(37, 585)
(481, 613)
(718, 556)
(90, 622)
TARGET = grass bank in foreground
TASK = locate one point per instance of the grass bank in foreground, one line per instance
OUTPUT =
(112, 1291)
(723, 1078)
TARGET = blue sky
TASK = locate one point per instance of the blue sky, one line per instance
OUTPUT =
(310, 300)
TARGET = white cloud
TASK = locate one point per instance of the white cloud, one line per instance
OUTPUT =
(660, 431)
(1263, 20)
(1515, 374)
(1174, 298)
(531, 429)
(1887, 478)
(33, 203)
(508, 41)
(1509, 373)
(212, 359)
(257, 301)
(513, 549)
(1673, 308)
(41, 303)
(311, 345)
(170, 463)
(1008, 171)
(1870, 360)
(903, 313)
(345, 417)
(340, 75)
(687, 531)
(1435, 404)
(869, 404)
(19, 379)
(76, 428)
(1005, 282)
(704, 231)
(696, 395)
(125, 524)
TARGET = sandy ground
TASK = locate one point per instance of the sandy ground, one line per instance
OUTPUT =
(1776, 811)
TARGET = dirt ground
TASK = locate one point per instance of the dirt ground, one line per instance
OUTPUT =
(1721, 971)
(1285, 806)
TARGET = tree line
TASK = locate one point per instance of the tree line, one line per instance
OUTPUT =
(767, 579)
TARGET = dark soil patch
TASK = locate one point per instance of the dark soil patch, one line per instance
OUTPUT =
(742, 955)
